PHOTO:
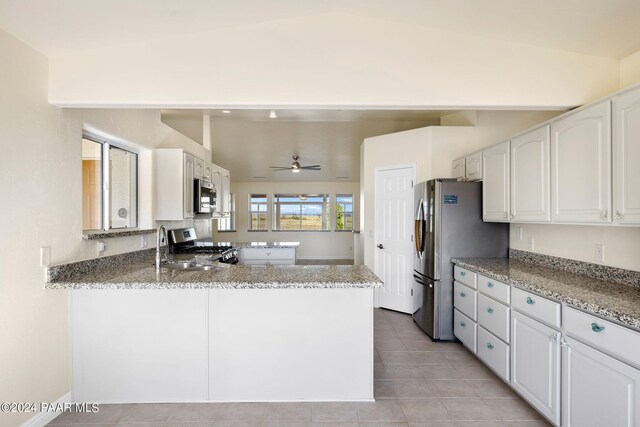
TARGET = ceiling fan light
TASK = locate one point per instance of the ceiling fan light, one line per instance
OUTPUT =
(273, 115)
(295, 170)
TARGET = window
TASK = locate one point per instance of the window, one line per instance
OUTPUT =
(109, 185)
(258, 212)
(344, 212)
(229, 223)
(302, 212)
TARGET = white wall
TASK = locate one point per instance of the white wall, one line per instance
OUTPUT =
(313, 245)
(630, 70)
(330, 60)
(41, 189)
(433, 149)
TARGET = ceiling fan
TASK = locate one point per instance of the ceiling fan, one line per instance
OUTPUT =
(295, 166)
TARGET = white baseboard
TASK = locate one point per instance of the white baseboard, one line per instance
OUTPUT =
(44, 418)
(324, 257)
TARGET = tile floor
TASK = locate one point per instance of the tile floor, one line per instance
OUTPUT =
(417, 383)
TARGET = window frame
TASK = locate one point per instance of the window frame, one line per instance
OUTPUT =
(335, 210)
(326, 210)
(258, 212)
(105, 186)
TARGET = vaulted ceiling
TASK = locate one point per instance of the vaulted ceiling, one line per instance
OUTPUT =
(609, 28)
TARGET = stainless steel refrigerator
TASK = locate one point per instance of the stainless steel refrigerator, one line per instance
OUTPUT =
(448, 223)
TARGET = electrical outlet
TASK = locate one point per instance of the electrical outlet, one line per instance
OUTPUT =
(519, 233)
(100, 247)
(530, 246)
(45, 256)
(599, 252)
(144, 242)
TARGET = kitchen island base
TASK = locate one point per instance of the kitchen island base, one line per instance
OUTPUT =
(222, 345)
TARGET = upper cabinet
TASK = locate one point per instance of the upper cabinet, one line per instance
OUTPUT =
(581, 166)
(198, 168)
(530, 176)
(458, 169)
(173, 176)
(207, 173)
(626, 160)
(495, 186)
(216, 178)
(473, 170)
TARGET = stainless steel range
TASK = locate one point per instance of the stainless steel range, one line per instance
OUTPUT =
(185, 241)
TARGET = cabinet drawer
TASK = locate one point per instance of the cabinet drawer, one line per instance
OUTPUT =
(494, 317)
(535, 306)
(465, 276)
(614, 339)
(494, 353)
(268, 262)
(464, 299)
(494, 289)
(268, 253)
(465, 330)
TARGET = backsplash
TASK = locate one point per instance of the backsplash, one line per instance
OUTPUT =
(202, 225)
(60, 273)
(596, 271)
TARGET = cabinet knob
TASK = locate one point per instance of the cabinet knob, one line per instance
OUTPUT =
(490, 346)
(462, 324)
(596, 328)
(489, 310)
(462, 294)
(530, 301)
(462, 273)
(489, 285)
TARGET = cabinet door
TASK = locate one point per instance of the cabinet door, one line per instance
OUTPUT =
(626, 163)
(530, 176)
(474, 166)
(598, 390)
(495, 185)
(226, 190)
(198, 168)
(581, 166)
(216, 178)
(458, 169)
(207, 174)
(188, 185)
(535, 364)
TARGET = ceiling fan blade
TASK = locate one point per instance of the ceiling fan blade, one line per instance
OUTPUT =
(311, 168)
(280, 167)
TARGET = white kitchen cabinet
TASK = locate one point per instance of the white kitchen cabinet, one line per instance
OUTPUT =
(198, 171)
(494, 353)
(207, 171)
(535, 364)
(626, 157)
(173, 176)
(598, 390)
(473, 167)
(268, 256)
(530, 186)
(458, 169)
(581, 166)
(225, 196)
(216, 178)
(495, 184)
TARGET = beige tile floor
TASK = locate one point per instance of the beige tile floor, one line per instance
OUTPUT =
(418, 383)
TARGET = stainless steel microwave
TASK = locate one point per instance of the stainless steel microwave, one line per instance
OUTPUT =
(204, 196)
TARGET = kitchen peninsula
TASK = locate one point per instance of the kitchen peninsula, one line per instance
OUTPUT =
(232, 333)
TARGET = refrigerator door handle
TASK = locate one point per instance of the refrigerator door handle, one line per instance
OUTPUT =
(419, 230)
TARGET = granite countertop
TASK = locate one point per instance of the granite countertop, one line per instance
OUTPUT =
(615, 301)
(141, 274)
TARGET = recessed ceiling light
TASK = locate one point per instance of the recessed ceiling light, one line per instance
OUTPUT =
(226, 111)
(273, 115)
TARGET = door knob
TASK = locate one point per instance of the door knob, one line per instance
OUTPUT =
(380, 246)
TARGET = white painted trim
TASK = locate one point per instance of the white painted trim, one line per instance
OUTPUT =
(44, 418)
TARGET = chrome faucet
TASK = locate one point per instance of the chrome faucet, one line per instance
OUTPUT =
(160, 238)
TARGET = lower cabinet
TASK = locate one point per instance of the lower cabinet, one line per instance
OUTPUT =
(535, 364)
(494, 353)
(268, 256)
(465, 330)
(598, 390)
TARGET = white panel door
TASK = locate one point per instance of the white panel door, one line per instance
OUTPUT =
(530, 176)
(474, 166)
(598, 390)
(581, 166)
(189, 167)
(198, 169)
(495, 184)
(626, 161)
(393, 257)
(535, 364)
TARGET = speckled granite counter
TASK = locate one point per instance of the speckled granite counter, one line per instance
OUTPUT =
(614, 301)
(141, 274)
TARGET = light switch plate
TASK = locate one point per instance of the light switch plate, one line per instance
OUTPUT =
(519, 233)
(530, 245)
(100, 247)
(599, 252)
(144, 242)
(45, 256)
